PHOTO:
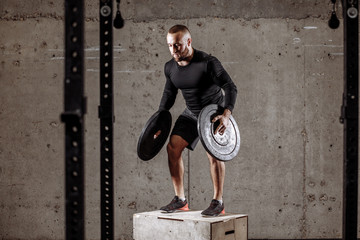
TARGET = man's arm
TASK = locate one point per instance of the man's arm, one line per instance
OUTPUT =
(223, 80)
(169, 93)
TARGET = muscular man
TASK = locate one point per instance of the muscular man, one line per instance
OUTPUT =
(200, 77)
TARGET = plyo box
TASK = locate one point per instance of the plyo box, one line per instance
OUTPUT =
(189, 225)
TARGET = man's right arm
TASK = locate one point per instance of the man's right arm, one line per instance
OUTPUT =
(169, 93)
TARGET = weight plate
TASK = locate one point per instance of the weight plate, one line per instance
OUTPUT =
(149, 145)
(223, 147)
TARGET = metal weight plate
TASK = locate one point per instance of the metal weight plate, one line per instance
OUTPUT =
(223, 147)
(149, 145)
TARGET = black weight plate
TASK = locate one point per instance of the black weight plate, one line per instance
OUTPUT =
(148, 146)
(223, 147)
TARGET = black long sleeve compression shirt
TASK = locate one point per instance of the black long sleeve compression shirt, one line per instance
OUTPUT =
(200, 82)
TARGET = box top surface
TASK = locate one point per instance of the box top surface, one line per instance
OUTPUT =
(190, 215)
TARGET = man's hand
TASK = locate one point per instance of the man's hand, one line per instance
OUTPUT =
(224, 121)
(157, 134)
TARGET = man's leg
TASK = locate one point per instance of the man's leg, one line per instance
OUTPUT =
(175, 148)
(217, 170)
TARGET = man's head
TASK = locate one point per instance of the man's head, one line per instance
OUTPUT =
(179, 42)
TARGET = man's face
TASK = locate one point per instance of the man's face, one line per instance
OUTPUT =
(179, 44)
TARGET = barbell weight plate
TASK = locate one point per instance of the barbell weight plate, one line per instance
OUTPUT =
(223, 147)
(148, 145)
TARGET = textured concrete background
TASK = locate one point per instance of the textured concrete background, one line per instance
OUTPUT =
(285, 60)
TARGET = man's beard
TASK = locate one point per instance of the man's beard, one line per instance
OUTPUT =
(179, 59)
(182, 56)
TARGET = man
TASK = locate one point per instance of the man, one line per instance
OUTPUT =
(200, 77)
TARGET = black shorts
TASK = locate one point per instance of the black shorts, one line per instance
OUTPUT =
(186, 127)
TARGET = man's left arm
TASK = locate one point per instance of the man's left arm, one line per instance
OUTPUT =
(223, 80)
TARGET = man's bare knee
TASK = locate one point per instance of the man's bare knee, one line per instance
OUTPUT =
(212, 159)
(173, 151)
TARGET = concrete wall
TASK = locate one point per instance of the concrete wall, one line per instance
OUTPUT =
(285, 60)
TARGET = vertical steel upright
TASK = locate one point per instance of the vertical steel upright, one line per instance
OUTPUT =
(106, 115)
(350, 118)
(73, 117)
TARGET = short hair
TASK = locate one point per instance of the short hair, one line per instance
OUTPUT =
(178, 28)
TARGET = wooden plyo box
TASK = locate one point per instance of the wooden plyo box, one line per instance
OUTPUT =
(189, 225)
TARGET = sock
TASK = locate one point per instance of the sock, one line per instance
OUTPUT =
(182, 199)
(220, 201)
